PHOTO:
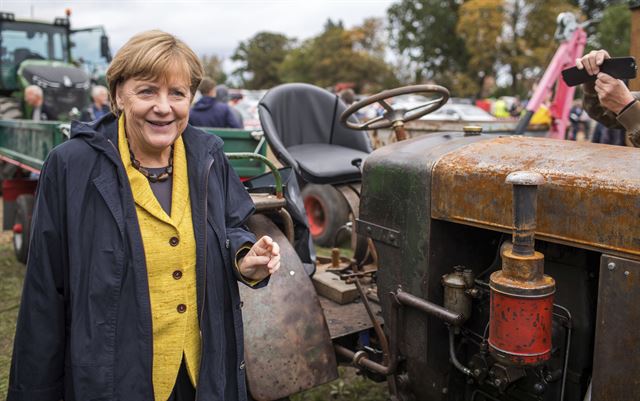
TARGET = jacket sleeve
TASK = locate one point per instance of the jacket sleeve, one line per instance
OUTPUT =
(37, 366)
(628, 120)
(239, 207)
(231, 119)
(595, 110)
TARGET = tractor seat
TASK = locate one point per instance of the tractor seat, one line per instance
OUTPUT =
(301, 124)
(322, 163)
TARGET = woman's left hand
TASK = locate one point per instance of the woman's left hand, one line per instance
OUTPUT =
(262, 259)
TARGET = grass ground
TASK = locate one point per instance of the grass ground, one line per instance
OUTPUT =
(349, 386)
(11, 278)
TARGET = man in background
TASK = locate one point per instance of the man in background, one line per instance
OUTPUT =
(210, 111)
(34, 97)
(222, 94)
(100, 105)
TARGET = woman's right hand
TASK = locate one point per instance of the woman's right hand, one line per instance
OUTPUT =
(592, 61)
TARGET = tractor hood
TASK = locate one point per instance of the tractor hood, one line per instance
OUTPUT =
(56, 75)
(590, 198)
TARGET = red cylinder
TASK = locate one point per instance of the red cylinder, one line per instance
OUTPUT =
(520, 327)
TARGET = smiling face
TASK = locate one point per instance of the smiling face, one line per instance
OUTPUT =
(156, 112)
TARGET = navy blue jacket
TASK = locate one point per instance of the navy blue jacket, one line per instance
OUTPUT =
(84, 327)
(209, 112)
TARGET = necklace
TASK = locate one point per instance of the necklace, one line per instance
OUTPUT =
(152, 177)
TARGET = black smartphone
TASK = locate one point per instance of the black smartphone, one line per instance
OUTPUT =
(617, 67)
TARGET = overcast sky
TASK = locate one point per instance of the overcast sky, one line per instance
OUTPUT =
(209, 27)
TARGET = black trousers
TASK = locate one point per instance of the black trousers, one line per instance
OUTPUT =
(183, 389)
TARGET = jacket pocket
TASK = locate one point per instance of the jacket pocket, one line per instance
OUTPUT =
(91, 383)
(94, 309)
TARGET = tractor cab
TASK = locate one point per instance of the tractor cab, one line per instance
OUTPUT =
(90, 49)
(43, 54)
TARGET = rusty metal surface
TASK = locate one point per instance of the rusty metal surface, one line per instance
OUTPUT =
(348, 319)
(351, 193)
(267, 201)
(287, 343)
(396, 195)
(616, 365)
(418, 128)
(589, 195)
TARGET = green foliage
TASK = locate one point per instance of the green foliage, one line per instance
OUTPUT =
(530, 45)
(614, 31)
(341, 55)
(465, 44)
(260, 58)
(349, 386)
(213, 68)
(424, 31)
(480, 27)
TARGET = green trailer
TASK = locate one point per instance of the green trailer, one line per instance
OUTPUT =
(24, 145)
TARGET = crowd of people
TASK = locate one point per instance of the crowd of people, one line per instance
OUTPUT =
(213, 106)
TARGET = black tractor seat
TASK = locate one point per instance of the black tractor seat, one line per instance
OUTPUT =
(322, 163)
(301, 123)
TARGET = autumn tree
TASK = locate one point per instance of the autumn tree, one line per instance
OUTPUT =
(528, 38)
(480, 27)
(259, 58)
(424, 31)
(339, 55)
(614, 30)
(213, 68)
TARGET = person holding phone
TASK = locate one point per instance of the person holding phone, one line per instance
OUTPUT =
(608, 100)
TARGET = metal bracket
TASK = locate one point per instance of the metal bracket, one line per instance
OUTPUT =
(379, 233)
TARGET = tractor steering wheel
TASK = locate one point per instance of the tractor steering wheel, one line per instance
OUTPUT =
(391, 115)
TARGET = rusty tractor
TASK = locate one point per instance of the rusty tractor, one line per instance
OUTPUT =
(501, 268)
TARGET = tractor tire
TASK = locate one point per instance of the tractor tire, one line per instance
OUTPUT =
(327, 210)
(22, 227)
(9, 108)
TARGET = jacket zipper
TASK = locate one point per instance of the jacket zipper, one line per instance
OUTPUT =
(153, 391)
(204, 284)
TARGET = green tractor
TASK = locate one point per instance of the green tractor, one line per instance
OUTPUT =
(62, 61)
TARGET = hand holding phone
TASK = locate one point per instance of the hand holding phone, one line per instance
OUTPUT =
(617, 67)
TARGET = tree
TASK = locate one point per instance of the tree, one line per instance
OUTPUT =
(528, 39)
(480, 27)
(260, 57)
(370, 37)
(213, 68)
(339, 55)
(424, 31)
(614, 31)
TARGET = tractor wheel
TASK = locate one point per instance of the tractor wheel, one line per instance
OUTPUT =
(9, 108)
(327, 211)
(22, 227)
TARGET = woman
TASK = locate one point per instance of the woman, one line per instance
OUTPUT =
(130, 291)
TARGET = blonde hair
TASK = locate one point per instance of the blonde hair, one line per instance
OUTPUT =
(151, 55)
